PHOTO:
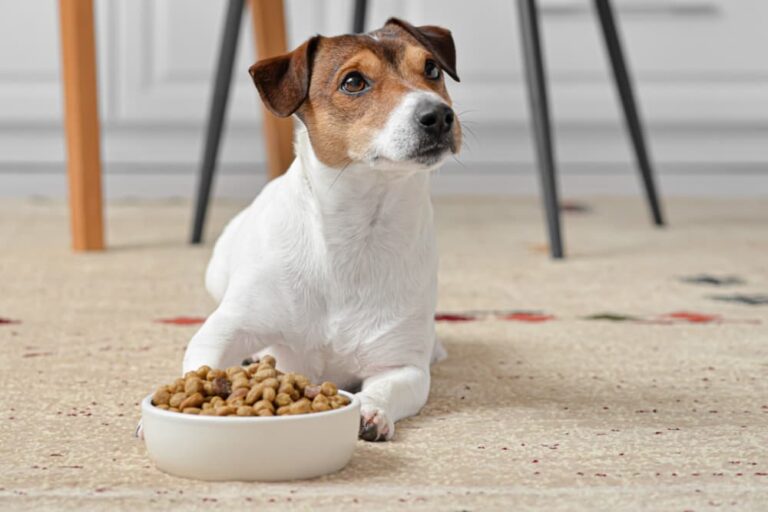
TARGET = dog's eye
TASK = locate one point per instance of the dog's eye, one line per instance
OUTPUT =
(431, 70)
(354, 83)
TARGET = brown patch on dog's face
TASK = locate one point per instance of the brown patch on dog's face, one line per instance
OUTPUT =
(357, 82)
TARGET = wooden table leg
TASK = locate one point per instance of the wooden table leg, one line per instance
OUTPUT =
(81, 124)
(269, 33)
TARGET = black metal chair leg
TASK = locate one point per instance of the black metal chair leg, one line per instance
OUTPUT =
(358, 21)
(631, 114)
(540, 120)
(218, 107)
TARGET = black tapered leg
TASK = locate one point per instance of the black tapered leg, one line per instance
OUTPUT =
(631, 114)
(218, 107)
(358, 20)
(540, 121)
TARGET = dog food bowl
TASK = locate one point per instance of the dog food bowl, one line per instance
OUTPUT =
(251, 448)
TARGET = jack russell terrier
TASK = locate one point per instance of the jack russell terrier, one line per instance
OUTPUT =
(333, 267)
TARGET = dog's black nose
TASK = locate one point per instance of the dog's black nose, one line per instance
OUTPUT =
(434, 118)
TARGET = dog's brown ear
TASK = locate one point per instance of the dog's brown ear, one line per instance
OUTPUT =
(437, 40)
(283, 81)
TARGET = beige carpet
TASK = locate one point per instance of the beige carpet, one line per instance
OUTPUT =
(566, 414)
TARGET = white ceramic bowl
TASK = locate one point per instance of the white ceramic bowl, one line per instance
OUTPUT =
(251, 448)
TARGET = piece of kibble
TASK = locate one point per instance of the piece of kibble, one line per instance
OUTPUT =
(263, 404)
(177, 398)
(311, 392)
(221, 387)
(215, 374)
(161, 397)
(225, 410)
(240, 382)
(264, 374)
(245, 410)
(193, 385)
(321, 403)
(256, 390)
(239, 393)
(271, 383)
(202, 372)
(301, 382)
(233, 370)
(269, 394)
(339, 400)
(254, 394)
(194, 400)
(288, 389)
(303, 406)
(283, 399)
(328, 388)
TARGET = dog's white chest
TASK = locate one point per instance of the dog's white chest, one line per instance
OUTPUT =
(372, 263)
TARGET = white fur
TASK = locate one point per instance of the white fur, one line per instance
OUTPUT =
(334, 271)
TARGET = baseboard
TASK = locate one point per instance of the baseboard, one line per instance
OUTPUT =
(701, 160)
(514, 180)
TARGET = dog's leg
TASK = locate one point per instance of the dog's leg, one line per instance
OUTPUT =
(222, 341)
(390, 396)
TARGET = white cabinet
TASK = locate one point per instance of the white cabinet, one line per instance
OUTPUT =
(701, 70)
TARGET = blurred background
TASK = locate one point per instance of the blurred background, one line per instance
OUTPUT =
(700, 69)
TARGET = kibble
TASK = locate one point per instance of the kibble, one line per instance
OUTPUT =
(194, 400)
(177, 398)
(258, 389)
(161, 397)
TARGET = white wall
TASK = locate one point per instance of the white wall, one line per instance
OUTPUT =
(701, 69)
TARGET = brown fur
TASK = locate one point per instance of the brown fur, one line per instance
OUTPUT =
(341, 127)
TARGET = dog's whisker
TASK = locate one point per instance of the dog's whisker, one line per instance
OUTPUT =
(459, 161)
(471, 132)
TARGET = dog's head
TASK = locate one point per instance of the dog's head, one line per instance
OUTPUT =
(378, 98)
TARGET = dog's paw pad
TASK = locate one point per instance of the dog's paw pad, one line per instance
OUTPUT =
(375, 426)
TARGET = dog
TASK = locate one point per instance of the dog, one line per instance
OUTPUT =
(333, 267)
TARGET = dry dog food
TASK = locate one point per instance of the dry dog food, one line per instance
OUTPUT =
(258, 389)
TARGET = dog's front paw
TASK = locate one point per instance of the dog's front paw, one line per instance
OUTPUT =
(375, 425)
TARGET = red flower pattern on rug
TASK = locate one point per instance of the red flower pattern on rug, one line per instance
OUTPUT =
(183, 320)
